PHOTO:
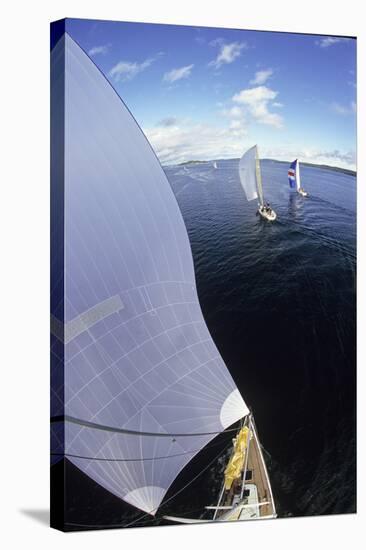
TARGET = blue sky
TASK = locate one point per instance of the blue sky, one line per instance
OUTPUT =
(206, 93)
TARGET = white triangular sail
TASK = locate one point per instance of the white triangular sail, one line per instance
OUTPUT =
(250, 175)
(144, 385)
(259, 177)
(297, 175)
(215, 165)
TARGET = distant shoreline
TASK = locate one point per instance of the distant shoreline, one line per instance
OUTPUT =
(334, 168)
(193, 162)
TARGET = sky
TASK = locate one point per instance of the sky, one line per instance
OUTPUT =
(209, 93)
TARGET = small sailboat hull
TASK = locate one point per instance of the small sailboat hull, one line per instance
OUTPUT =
(294, 178)
(269, 216)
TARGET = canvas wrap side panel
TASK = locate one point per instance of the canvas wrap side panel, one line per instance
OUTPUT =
(57, 497)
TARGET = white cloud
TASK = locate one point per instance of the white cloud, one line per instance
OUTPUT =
(127, 70)
(234, 112)
(257, 101)
(329, 41)
(216, 42)
(178, 74)
(168, 121)
(236, 124)
(261, 77)
(199, 38)
(236, 119)
(228, 53)
(332, 157)
(189, 141)
(277, 104)
(343, 109)
(176, 140)
(96, 50)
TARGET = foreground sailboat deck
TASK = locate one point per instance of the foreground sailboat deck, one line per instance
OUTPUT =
(250, 496)
(246, 492)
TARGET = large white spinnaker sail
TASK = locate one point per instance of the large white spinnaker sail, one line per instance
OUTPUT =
(144, 386)
(250, 175)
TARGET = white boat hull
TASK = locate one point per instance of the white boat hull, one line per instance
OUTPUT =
(269, 216)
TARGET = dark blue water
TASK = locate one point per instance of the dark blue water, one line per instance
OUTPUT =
(279, 300)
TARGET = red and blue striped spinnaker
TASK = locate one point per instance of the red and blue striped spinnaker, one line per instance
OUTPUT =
(292, 174)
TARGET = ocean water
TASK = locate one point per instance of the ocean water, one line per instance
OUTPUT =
(279, 300)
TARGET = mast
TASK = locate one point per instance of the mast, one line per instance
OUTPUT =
(258, 177)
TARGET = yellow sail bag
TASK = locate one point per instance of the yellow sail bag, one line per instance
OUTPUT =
(236, 463)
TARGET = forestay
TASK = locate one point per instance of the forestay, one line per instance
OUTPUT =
(145, 388)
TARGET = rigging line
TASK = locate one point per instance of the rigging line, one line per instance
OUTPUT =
(87, 424)
(148, 514)
(119, 525)
(103, 459)
(184, 487)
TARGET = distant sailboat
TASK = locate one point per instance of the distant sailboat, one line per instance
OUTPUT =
(294, 178)
(251, 181)
(215, 165)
